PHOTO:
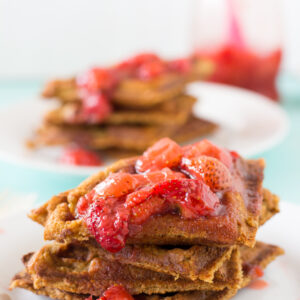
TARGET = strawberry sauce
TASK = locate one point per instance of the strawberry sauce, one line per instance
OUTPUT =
(96, 85)
(115, 292)
(188, 181)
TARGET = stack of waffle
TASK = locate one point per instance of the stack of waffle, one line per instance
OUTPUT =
(167, 257)
(142, 110)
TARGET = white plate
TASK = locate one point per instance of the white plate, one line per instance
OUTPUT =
(249, 123)
(19, 235)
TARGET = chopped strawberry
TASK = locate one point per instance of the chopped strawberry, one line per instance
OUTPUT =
(80, 157)
(107, 220)
(207, 148)
(84, 203)
(183, 65)
(95, 107)
(160, 176)
(117, 185)
(141, 212)
(150, 70)
(190, 195)
(116, 292)
(96, 79)
(164, 153)
(210, 170)
(144, 58)
(257, 272)
(234, 154)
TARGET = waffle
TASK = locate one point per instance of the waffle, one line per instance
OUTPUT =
(195, 262)
(237, 226)
(132, 93)
(261, 255)
(174, 111)
(64, 266)
(124, 137)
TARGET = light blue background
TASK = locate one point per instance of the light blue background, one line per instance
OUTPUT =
(282, 175)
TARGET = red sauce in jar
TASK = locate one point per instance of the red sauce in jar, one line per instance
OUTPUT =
(241, 67)
(235, 64)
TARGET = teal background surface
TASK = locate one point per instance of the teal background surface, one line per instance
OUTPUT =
(282, 174)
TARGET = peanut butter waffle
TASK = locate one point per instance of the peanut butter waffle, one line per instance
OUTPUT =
(174, 111)
(122, 137)
(259, 256)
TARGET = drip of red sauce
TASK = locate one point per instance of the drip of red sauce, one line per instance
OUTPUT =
(80, 157)
(235, 64)
(258, 284)
(188, 181)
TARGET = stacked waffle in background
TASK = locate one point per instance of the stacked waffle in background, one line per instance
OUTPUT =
(126, 107)
(175, 223)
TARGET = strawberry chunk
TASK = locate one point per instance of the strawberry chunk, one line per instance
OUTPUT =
(80, 157)
(207, 148)
(144, 58)
(84, 202)
(189, 194)
(160, 176)
(117, 185)
(116, 292)
(95, 107)
(193, 197)
(164, 153)
(210, 170)
(183, 65)
(257, 272)
(142, 212)
(107, 220)
(150, 70)
(96, 79)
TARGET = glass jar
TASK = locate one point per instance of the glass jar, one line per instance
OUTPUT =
(242, 42)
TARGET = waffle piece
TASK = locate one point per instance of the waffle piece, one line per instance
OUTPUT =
(175, 111)
(65, 266)
(132, 93)
(176, 262)
(261, 255)
(238, 225)
(194, 263)
(23, 280)
(170, 112)
(125, 137)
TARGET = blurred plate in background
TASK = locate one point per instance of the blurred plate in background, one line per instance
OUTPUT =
(249, 123)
